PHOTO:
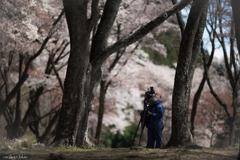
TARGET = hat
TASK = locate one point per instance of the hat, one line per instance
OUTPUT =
(159, 94)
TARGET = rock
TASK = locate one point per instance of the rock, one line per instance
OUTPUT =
(38, 145)
(9, 148)
(19, 141)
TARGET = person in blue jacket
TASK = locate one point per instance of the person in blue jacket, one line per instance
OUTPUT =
(154, 122)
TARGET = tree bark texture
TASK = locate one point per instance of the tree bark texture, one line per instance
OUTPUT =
(101, 110)
(73, 104)
(235, 8)
(85, 69)
(189, 50)
(239, 152)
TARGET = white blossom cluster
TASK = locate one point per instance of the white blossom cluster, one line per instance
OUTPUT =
(22, 20)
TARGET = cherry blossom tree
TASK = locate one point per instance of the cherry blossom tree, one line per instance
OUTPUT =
(23, 37)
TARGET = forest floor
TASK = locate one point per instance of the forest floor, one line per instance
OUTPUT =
(73, 153)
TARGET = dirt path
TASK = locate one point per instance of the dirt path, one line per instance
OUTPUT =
(119, 154)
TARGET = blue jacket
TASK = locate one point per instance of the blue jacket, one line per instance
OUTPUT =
(157, 114)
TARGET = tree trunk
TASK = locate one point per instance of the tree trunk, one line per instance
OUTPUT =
(232, 124)
(33, 102)
(232, 120)
(17, 122)
(181, 134)
(73, 109)
(235, 8)
(101, 110)
(239, 152)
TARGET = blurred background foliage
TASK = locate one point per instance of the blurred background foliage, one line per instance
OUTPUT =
(115, 140)
(171, 40)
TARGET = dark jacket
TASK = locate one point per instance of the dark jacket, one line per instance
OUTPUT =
(156, 117)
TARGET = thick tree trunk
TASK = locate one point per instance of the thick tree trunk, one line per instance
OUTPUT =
(98, 45)
(73, 111)
(235, 8)
(181, 134)
(82, 124)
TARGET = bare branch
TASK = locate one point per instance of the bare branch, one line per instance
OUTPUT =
(56, 72)
(60, 55)
(62, 65)
(222, 42)
(54, 110)
(211, 89)
(179, 18)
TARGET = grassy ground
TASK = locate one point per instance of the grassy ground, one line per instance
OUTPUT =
(22, 149)
(73, 153)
